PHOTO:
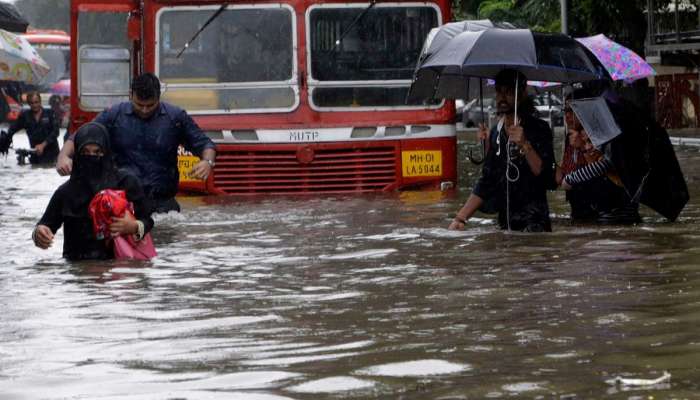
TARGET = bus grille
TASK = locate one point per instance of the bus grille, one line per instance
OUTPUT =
(279, 171)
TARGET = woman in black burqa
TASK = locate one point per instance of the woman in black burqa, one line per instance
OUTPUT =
(93, 171)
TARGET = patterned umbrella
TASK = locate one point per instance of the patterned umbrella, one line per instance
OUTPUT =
(61, 88)
(19, 61)
(620, 62)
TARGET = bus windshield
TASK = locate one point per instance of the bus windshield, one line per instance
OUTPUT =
(354, 47)
(242, 61)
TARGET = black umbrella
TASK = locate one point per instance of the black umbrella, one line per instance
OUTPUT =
(640, 150)
(644, 158)
(11, 19)
(437, 38)
(483, 54)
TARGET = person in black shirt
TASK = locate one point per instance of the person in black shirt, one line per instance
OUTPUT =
(42, 128)
(93, 170)
(517, 171)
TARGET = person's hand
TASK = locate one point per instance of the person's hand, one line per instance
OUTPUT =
(516, 134)
(457, 224)
(125, 225)
(483, 132)
(39, 148)
(565, 185)
(201, 170)
(64, 165)
(558, 175)
(42, 236)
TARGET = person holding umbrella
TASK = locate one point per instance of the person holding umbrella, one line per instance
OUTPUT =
(518, 170)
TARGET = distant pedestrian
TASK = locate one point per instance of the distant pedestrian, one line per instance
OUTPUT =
(42, 127)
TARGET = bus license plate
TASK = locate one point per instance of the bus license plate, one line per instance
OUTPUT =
(185, 164)
(421, 163)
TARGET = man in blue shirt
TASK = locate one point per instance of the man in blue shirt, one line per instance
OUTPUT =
(145, 134)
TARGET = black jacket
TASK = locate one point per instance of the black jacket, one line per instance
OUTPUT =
(44, 130)
(525, 195)
(69, 207)
(69, 204)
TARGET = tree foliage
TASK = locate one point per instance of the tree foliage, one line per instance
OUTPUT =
(46, 14)
(623, 21)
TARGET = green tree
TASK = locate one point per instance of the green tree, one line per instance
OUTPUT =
(46, 14)
(624, 21)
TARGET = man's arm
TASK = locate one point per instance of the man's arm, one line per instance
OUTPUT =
(64, 163)
(516, 135)
(53, 133)
(203, 168)
(198, 143)
(473, 203)
(533, 159)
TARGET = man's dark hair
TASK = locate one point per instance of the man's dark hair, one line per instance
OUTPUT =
(32, 94)
(507, 77)
(146, 86)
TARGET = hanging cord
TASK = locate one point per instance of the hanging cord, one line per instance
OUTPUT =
(509, 159)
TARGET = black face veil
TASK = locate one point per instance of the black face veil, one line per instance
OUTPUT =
(90, 173)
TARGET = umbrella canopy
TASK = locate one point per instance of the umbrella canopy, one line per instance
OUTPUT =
(620, 62)
(483, 54)
(11, 19)
(61, 88)
(19, 61)
(646, 162)
(438, 37)
(597, 119)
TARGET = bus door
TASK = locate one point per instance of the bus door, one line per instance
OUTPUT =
(104, 61)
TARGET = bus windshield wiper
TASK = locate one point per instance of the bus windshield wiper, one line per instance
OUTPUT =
(212, 18)
(356, 21)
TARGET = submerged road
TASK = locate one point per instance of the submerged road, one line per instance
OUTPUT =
(366, 297)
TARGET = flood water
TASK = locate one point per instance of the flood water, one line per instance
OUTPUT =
(353, 297)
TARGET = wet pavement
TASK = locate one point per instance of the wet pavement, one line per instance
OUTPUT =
(353, 297)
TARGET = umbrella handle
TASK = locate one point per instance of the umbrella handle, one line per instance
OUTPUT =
(515, 113)
(474, 160)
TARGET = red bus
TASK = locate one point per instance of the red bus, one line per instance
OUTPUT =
(300, 96)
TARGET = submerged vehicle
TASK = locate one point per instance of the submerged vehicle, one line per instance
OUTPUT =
(300, 97)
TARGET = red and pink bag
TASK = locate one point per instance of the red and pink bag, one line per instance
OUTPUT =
(110, 203)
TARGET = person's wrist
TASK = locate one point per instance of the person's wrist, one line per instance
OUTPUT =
(139, 230)
(525, 147)
(459, 219)
(209, 162)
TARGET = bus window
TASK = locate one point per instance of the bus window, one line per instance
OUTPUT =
(242, 62)
(350, 52)
(103, 75)
(103, 60)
